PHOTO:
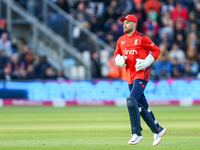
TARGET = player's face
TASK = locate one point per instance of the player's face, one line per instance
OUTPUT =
(128, 26)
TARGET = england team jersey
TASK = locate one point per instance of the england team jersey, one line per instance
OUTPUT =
(136, 46)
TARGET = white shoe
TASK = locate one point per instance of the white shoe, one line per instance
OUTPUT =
(135, 139)
(158, 137)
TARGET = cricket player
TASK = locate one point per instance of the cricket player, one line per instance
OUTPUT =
(136, 52)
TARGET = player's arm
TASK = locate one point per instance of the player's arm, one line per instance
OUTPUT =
(119, 58)
(149, 45)
(153, 55)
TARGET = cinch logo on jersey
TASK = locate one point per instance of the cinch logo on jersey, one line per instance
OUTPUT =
(126, 52)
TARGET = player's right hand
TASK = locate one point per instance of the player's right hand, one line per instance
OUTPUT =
(120, 60)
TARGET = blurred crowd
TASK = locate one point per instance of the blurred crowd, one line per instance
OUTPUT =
(173, 25)
(22, 66)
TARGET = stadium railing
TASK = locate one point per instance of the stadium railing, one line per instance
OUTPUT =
(61, 36)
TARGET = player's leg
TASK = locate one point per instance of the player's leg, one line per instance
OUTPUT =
(135, 121)
(148, 119)
(137, 91)
(144, 103)
(130, 86)
(134, 115)
(148, 114)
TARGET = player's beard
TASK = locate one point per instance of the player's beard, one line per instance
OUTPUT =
(127, 30)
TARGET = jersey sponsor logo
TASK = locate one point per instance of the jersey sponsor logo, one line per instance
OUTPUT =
(122, 42)
(126, 51)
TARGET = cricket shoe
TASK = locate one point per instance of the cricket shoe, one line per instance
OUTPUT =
(135, 139)
(158, 137)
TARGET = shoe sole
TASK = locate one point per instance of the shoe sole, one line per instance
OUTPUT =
(135, 143)
(161, 137)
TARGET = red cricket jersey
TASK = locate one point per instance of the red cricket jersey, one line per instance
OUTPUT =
(136, 46)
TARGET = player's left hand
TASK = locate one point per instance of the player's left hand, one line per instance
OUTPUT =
(143, 64)
(140, 65)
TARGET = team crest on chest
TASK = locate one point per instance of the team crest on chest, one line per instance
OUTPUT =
(136, 41)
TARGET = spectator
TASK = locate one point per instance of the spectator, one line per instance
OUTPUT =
(109, 38)
(114, 71)
(180, 42)
(41, 67)
(30, 73)
(192, 27)
(19, 74)
(77, 33)
(94, 25)
(63, 4)
(114, 31)
(3, 28)
(50, 73)
(192, 17)
(112, 44)
(22, 56)
(97, 8)
(71, 3)
(81, 9)
(14, 45)
(6, 75)
(125, 6)
(163, 48)
(150, 28)
(149, 4)
(163, 66)
(177, 68)
(5, 44)
(193, 40)
(29, 59)
(169, 6)
(191, 53)
(139, 11)
(60, 76)
(96, 67)
(114, 5)
(179, 28)
(179, 12)
(109, 17)
(186, 3)
(15, 66)
(164, 39)
(167, 26)
(3, 61)
(177, 53)
(197, 14)
(119, 27)
(90, 45)
(191, 68)
(153, 14)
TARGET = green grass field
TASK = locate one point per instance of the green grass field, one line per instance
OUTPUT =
(94, 128)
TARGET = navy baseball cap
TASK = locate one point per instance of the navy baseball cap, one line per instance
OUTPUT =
(129, 18)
